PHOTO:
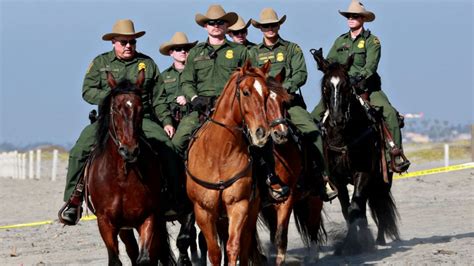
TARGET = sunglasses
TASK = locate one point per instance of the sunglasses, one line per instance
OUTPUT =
(125, 42)
(181, 49)
(239, 32)
(215, 22)
(268, 26)
(354, 16)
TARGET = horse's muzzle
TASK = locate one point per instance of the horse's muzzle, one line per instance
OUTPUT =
(259, 137)
(279, 136)
(129, 155)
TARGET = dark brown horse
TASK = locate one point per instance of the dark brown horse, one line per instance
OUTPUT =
(219, 166)
(352, 145)
(289, 166)
(123, 179)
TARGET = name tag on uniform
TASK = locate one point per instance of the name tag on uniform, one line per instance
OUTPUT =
(202, 58)
(169, 80)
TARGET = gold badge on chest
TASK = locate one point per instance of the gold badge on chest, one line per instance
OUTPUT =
(141, 66)
(361, 44)
(229, 54)
(280, 57)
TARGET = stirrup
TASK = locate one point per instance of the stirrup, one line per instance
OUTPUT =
(68, 206)
(278, 194)
(399, 162)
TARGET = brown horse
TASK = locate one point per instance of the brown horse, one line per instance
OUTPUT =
(123, 179)
(219, 166)
(289, 166)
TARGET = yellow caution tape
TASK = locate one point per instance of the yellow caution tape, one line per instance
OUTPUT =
(436, 170)
(85, 218)
(401, 176)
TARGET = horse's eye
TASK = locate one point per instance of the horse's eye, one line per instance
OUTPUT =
(246, 92)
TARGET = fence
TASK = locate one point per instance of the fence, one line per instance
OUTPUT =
(31, 165)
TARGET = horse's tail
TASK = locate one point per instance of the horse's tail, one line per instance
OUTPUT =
(383, 210)
(309, 220)
(166, 254)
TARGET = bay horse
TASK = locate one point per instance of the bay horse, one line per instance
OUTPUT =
(123, 179)
(219, 167)
(352, 148)
(289, 166)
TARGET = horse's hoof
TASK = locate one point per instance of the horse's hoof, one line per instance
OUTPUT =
(184, 262)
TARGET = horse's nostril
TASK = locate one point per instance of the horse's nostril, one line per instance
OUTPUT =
(136, 152)
(260, 132)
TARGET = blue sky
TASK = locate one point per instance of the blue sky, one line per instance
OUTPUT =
(46, 46)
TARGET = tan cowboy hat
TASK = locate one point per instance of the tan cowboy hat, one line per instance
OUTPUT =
(268, 16)
(216, 12)
(179, 39)
(239, 25)
(357, 7)
(123, 27)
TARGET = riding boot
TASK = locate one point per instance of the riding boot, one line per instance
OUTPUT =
(71, 212)
(278, 190)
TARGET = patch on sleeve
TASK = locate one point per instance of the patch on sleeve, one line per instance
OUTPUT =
(89, 67)
(141, 66)
(376, 41)
(297, 49)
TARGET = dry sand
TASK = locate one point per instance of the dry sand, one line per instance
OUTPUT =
(437, 226)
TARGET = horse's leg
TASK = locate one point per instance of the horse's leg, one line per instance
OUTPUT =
(207, 222)
(249, 239)
(281, 236)
(185, 237)
(343, 196)
(238, 217)
(109, 234)
(358, 208)
(202, 248)
(131, 245)
(149, 242)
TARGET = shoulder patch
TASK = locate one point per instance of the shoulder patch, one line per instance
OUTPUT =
(376, 41)
(89, 67)
(297, 48)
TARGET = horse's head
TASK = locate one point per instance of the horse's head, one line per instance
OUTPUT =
(121, 118)
(276, 108)
(336, 90)
(252, 93)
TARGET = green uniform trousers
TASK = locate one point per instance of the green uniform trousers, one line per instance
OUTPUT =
(377, 99)
(305, 124)
(185, 129)
(155, 135)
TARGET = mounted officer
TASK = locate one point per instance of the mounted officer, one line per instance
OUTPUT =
(366, 49)
(178, 49)
(239, 31)
(287, 56)
(124, 62)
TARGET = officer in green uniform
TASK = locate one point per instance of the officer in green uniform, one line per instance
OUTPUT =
(288, 56)
(177, 48)
(366, 49)
(239, 31)
(123, 62)
(208, 69)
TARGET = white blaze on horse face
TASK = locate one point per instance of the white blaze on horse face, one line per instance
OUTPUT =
(335, 81)
(258, 87)
(129, 103)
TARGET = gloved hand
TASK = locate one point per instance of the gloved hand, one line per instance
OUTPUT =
(358, 83)
(200, 103)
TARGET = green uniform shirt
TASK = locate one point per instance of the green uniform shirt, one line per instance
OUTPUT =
(96, 88)
(208, 70)
(366, 50)
(248, 44)
(283, 54)
(172, 83)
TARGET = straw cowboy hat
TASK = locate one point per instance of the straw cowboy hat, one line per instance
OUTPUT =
(357, 7)
(239, 25)
(268, 16)
(179, 39)
(123, 27)
(216, 12)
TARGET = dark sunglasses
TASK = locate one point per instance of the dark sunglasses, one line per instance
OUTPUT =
(239, 32)
(267, 26)
(124, 42)
(181, 49)
(215, 22)
(354, 16)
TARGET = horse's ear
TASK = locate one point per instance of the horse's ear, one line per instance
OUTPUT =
(266, 67)
(280, 77)
(318, 57)
(349, 62)
(111, 80)
(140, 78)
(247, 65)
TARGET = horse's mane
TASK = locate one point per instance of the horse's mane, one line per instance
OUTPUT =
(276, 87)
(102, 134)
